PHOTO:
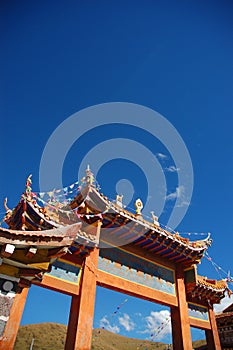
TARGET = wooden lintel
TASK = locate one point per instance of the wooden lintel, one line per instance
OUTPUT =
(58, 285)
(118, 284)
(194, 322)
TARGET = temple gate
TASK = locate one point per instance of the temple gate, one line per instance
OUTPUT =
(75, 246)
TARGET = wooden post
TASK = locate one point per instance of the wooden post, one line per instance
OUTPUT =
(181, 333)
(7, 341)
(82, 306)
(86, 303)
(79, 332)
(212, 336)
(73, 322)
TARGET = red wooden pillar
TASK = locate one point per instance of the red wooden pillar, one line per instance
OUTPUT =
(8, 338)
(181, 333)
(212, 336)
(72, 325)
(79, 333)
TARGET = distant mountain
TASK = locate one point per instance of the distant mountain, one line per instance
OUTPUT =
(51, 336)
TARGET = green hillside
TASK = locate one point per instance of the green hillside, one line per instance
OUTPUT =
(51, 336)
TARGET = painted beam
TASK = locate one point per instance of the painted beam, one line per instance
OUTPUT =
(118, 284)
(194, 322)
(58, 285)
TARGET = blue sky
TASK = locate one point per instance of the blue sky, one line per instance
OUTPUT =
(174, 57)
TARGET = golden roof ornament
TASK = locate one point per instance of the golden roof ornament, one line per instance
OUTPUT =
(89, 176)
(28, 189)
(8, 211)
(155, 219)
(119, 200)
(139, 206)
(31, 196)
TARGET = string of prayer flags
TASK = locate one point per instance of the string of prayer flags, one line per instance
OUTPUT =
(119, 307)
(67, 189)
(117, 310)
(161, 328)
(55, 205)
(219, 269)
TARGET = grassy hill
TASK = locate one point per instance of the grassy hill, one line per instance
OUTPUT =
(51, 336)
(47, 336)
(104, 340)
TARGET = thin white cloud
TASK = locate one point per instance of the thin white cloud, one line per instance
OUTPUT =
(104, 323)
(172, 169)
(180, 191)
(126, 322)
(178, 194)
(158, 324)
(225, 302)
(183, 204)
(161, 155)
(172, 196)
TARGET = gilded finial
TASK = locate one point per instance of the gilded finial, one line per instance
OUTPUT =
(139, 206)
(28, 189)
(89, 176)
